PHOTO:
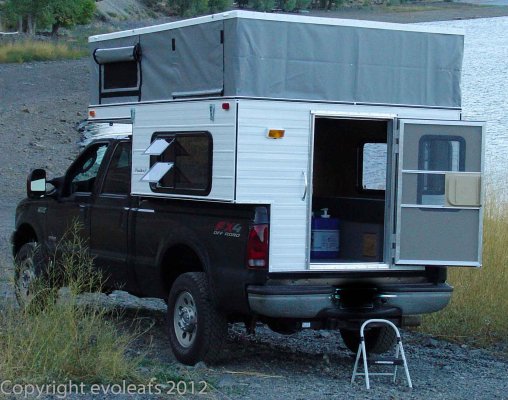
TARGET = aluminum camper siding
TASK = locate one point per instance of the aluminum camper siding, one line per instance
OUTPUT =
(174, 117)
(275, 172)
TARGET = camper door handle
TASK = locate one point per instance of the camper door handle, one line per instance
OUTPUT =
(306, 185)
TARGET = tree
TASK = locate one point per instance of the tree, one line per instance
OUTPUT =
(67, 13)
(28, 14)
(25, 13)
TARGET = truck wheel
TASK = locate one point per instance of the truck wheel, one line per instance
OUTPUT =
(377, 340)
(197, 330)
(28, 267)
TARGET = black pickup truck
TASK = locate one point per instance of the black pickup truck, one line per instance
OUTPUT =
(209, 260)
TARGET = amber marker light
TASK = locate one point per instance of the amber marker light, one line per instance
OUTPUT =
(91, 113)
(276, 133)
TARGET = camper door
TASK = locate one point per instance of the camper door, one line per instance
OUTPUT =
(439, 193)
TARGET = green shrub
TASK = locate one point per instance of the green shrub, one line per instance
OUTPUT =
(219, 5)
(289, 5)
(263, 5)
(303, 4)
(190, 8)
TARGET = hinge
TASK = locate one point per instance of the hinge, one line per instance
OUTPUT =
(396, 138)
(393, 249)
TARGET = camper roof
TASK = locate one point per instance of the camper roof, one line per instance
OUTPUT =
(277, 17)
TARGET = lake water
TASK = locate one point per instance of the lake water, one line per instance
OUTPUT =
(485, 90)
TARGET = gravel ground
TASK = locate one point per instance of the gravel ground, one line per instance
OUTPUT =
(41, 103)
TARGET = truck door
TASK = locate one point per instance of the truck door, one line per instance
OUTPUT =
(439, 193)
(73, 205)
(109, 220)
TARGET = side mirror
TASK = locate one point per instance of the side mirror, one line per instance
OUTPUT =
(36, 183)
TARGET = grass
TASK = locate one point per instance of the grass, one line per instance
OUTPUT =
(32, 50)
(52, 340)
(478, 310)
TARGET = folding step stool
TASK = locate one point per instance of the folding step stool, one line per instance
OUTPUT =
(395, 361)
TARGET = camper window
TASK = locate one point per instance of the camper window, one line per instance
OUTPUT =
(440, 154)
(374, 161)
(191, 154)
(119, 76)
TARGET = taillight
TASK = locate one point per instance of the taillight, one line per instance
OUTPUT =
(257, 247)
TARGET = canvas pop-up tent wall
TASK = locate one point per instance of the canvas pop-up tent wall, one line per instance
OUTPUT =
(247, 54)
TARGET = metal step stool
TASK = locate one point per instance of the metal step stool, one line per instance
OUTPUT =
(388, 361)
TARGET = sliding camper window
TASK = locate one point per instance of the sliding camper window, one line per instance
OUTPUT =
(438, 155)
(190, 156)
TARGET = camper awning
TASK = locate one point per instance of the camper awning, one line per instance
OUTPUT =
(117, 54)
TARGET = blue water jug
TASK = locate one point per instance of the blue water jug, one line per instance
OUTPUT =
(324, 236)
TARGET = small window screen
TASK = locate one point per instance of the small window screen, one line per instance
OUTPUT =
(118, 177)
(191, 155)
(121, 75)
(374, 161)
(441, 153)
(438, 153)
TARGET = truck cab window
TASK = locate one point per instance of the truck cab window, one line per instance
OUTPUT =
(119, 172)
(83, 174)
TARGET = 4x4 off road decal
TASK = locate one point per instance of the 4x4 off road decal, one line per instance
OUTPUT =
(229, 229)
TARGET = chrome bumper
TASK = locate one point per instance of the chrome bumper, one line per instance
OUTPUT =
(286, 301)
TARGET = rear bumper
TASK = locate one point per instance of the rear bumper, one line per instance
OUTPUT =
(320, 302)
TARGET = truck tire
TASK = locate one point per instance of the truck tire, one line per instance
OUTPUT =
(28, 267)
(197, 330)
(377, 340)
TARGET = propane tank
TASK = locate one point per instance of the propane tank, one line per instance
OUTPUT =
(324, 236)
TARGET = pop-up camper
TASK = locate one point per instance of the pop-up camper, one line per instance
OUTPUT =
(293, 170)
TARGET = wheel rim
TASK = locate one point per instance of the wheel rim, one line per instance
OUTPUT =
(25, 280)
(185, 319)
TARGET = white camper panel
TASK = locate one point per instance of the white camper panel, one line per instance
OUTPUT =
(277, 171)
(199, 116)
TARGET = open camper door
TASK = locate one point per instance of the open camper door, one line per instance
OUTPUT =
(439, 193)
